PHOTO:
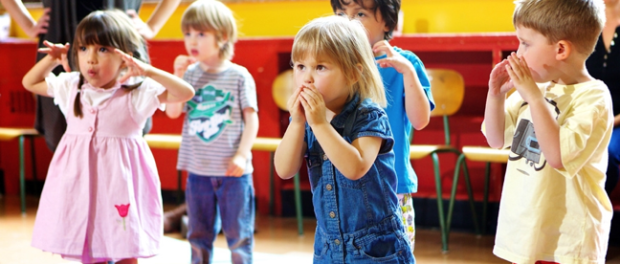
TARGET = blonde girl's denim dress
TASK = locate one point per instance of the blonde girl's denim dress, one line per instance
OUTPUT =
(357, 221)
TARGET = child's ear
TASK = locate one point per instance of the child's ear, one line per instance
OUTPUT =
(223, 41)
(563, 49)
(398, 30)
(360, 70)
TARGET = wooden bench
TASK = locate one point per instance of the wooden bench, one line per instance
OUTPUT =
(9, 133)
(173, 141)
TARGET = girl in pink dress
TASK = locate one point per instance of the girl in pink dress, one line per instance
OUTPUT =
(101, 200)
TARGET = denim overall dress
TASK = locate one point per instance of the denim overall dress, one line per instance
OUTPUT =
(357, 221)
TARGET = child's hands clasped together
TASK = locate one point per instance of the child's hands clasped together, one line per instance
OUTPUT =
(513, 72)
(500, 82)
(521, 77)
(313, 105)
(295, 107)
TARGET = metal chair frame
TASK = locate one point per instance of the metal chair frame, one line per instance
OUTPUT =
(442, 82)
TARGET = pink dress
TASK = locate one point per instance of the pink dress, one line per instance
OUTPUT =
(101, 200)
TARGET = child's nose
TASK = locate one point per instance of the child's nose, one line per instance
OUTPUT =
(92, 57)
(308, 77)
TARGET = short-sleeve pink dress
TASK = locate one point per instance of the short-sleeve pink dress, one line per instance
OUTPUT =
(101, 200)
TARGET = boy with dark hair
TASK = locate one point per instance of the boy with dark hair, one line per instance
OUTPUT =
(407, 90)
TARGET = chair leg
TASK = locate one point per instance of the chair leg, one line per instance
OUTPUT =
(34, 164)
(487, 172)
(442, 224)
(471, 195)
(455, 182)
(461, 163)
(179, 188)
(22, 175)
(271, 184)
(300, 224)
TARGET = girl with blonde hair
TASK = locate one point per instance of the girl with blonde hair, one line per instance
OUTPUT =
(339, 128)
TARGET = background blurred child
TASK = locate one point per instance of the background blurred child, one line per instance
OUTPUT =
(221, 123)
(102, 199)
(407, 90)
(345, 137)
(553, 207)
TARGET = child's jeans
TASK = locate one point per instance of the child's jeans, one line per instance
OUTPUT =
(232, 198)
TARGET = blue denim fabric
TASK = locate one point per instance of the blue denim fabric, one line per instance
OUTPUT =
(232, 198)
(357, 221)
(384, 242)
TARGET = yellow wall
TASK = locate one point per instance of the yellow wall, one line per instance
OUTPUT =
(285, 18)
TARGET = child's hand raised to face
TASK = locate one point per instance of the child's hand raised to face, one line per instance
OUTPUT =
(314, 106)
(522, 79)
(393, 59)
(58, 52)
(134, 67)
(295, 108)
(500, 82)
(181, 63)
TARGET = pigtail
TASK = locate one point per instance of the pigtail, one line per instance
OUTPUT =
(130, 87)
(77, 105)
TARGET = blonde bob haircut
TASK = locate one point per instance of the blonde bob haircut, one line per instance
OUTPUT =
(212, 16)
(344, 43)
(578, 21)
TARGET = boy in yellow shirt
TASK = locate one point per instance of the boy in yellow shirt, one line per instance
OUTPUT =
(557, 124)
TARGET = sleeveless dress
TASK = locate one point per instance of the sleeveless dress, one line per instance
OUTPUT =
(101, 200)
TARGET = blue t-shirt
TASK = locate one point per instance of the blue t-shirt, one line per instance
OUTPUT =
(397, 115)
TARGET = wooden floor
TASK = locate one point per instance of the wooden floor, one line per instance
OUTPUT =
(276, 242)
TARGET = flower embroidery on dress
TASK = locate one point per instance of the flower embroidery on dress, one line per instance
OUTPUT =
(123, 209)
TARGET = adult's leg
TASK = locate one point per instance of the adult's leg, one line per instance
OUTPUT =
(613, 170)
(204, 223)
(147, 126)
(49, 121)
(172, 218)
(236, 202)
